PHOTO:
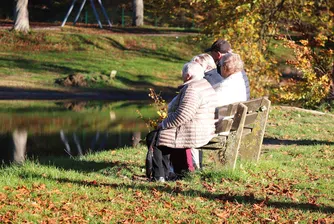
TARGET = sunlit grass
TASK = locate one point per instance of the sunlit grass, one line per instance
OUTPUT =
(292, 182)
(38, 59)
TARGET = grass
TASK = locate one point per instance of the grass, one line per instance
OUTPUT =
(36, 60)
(292, 183)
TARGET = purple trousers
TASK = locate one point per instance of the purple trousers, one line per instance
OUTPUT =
(181, 160)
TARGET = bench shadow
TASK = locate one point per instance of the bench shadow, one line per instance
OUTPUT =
(223, 197)
(275, 141)
(67, 164)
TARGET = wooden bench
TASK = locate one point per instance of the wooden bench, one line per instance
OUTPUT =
(240, 130)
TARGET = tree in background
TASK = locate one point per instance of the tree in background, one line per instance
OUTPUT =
(21, 20)
(305, 26)
(309, 32)
(171, 12)
(138, 13)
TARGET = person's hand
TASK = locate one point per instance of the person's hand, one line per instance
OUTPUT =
(159, 126)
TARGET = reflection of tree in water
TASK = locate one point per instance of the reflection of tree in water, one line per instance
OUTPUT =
(13, 146)
(58, 132)
(96, 143)
(75, 106)
(19, 145)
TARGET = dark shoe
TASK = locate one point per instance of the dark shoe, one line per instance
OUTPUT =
(172, 177)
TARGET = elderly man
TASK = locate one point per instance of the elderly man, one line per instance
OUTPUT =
(192, 123)
(217, 50)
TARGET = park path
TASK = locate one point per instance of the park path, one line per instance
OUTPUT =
(7, 25)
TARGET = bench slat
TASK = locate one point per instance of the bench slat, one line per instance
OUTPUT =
(225, 111)
(224, 125)
(250, 118)
(215, 143)
(254, 105)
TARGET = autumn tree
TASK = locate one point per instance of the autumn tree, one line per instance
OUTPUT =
(305, 26)
(309, 32)
(21, 20)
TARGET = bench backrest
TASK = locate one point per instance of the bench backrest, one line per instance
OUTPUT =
(230, 116)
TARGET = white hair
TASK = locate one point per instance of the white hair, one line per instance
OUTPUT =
(194, 70)
(232, 63)
(206, 61)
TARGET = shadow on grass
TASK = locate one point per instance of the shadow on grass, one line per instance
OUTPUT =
(147, 52)
(88, 41)
(39, 67)
(81, 165)
(223, 197)
(275, 141)
(141, 83)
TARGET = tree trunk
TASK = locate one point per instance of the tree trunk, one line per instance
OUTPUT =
(21, 21)
(331, 91)
(138, 13)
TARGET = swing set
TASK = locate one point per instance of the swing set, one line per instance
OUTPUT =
(94, 10)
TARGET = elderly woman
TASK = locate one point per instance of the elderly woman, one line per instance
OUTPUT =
(210, 69)
(192, 123)
(214, 78)
(232, 89)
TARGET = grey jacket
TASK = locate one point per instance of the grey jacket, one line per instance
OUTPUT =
(192, 123)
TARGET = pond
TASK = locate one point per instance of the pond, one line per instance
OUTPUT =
(69, 128)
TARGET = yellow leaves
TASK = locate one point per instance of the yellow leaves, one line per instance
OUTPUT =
(162, 114)
(244, 7)
(321, 39)
(161, 107)
(314, 86)
(304, 42)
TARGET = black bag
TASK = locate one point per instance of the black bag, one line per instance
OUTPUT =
(150, 142)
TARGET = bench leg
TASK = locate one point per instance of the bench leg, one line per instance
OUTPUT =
(228, 155)
(251, 144)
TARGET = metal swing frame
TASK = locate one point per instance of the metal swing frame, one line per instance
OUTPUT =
(94, 10)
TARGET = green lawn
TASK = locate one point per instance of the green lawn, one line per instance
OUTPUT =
(36, 60)
(292, 183)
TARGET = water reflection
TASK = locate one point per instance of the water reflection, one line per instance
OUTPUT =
(13, 146)
(29, 128)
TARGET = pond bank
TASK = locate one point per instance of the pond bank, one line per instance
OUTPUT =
(16, 93)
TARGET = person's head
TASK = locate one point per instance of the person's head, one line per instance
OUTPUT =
(206, 61)
(219, 48)
(231, 63)
(192, 71)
